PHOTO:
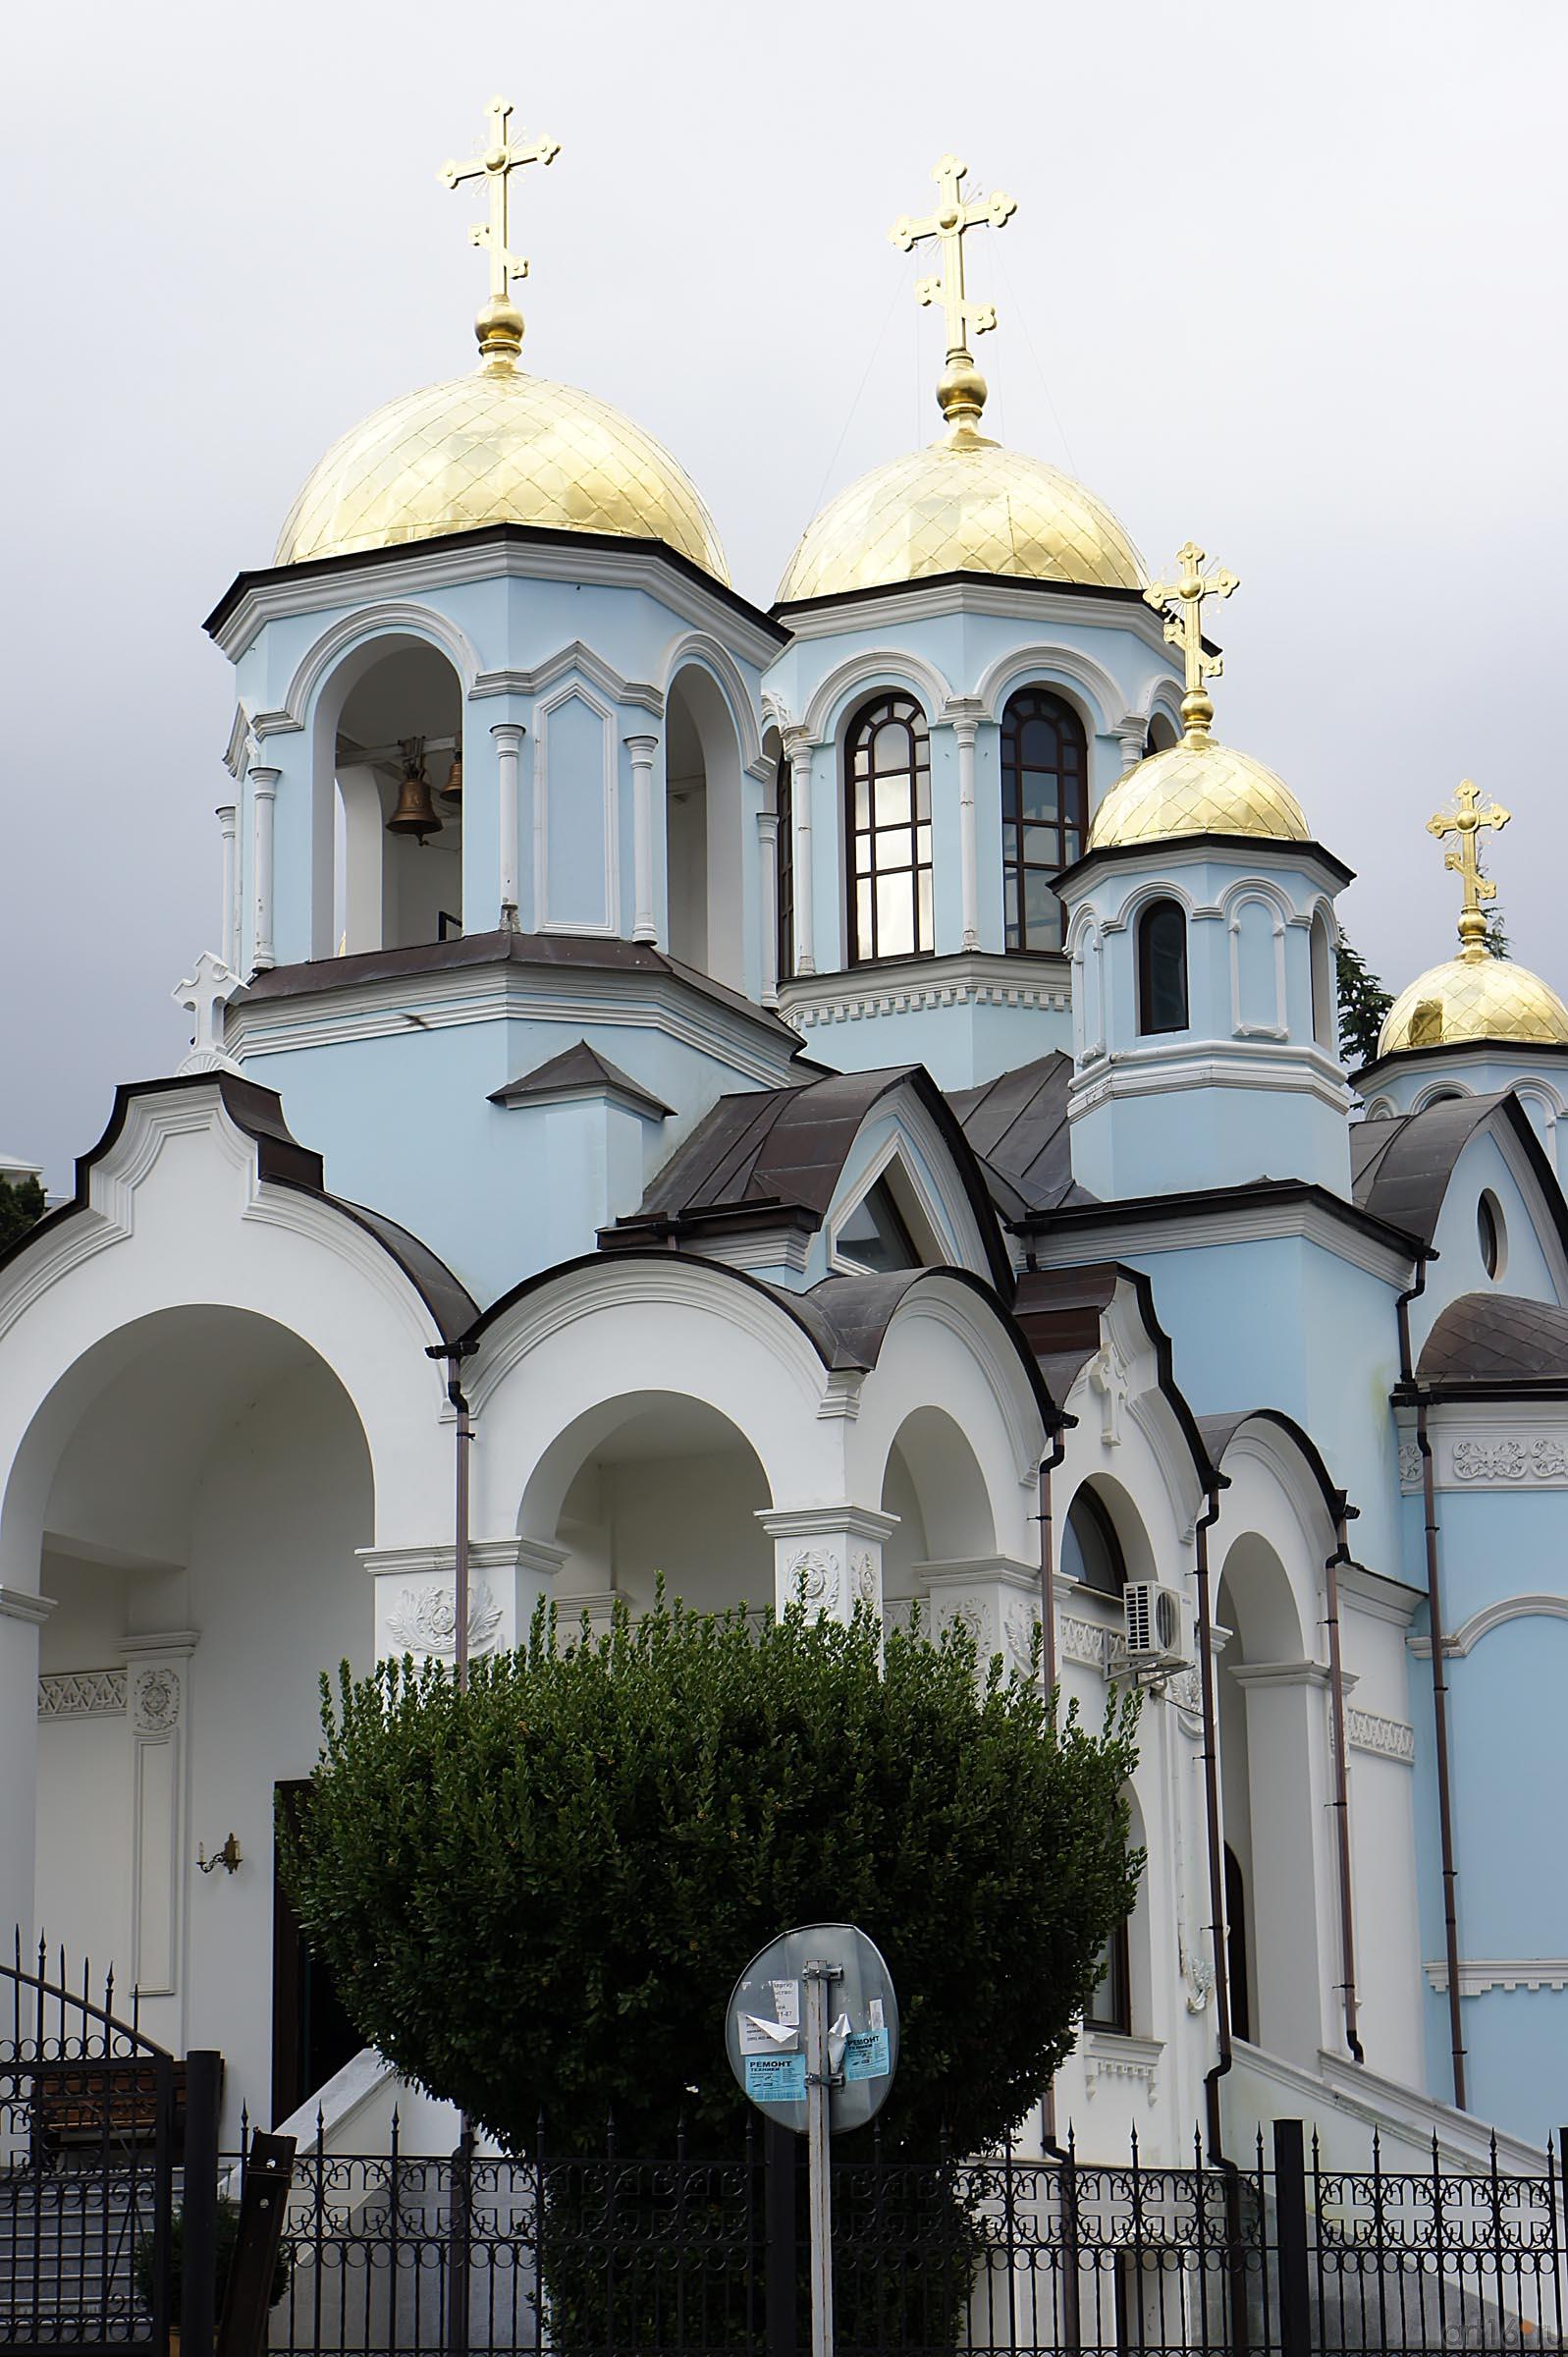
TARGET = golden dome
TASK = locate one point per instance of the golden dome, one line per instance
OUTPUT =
(1197, 788)
(961, 505)
(497, 447)
(1474, 997)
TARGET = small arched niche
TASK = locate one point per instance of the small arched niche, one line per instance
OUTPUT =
(704, 864)
(934, 1483)
(397, 761)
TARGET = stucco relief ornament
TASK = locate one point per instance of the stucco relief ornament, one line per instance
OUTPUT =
(425, 1620)
(972, 1615)
(157, 1700)
(1409, 1466)
(814, 1576)
(1019, 1623)
(1510, 1460)
(864, 1581)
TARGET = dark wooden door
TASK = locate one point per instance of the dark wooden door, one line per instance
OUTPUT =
(311, 2034)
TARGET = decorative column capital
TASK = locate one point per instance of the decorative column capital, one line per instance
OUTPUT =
(799, 744)
(964, 714)
(508, 734)
(768, 826)
(226, 815)
(264, 780)
(642, 748)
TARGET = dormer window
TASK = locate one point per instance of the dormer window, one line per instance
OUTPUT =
(874, 1236)
(888, 803)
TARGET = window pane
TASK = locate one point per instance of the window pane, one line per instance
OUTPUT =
(892, 800)
(862, 804)
(923, 795)
(894, 846)
(890, 746)
(896, 936)
(863, 939)
(862, 855)
(1039, 744)
(926, 936)
(923, 846)
(1162, 969)
(1040, 847)
(1040, 799)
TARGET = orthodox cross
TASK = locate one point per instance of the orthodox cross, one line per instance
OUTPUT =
(948, 224)
(1466, 821)
(497, 164)
(1184, 629)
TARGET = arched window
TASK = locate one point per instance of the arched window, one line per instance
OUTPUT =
(1324, 1009)
(783, 803)
(1045, 812)
(1162, 968)
(1091, 1551)
(888, 805)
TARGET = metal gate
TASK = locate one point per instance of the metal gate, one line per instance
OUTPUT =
(88, 2133)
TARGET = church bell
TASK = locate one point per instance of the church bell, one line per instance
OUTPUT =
(416, 813)
(451, 790)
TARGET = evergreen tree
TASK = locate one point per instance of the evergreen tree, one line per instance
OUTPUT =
(1362, 1004)
(1497, 932)
(22, 1203)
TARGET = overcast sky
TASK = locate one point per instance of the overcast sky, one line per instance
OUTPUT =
(1288, 280)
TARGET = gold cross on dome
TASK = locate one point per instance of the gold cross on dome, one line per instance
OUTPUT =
(500, 158)
(1468, 821)
(1184, 627)
(949, 225)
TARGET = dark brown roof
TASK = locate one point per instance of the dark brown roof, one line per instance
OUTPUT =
(1401, 1164)
(1219, 1431)
(1017, 1124)
(1497, 1338)
(579, 1070)
(780, 1153)
(1058, 1314)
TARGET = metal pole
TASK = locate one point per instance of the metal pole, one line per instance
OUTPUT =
(818, 1977)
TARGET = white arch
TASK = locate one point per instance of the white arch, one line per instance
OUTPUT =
(881, 667)
(1262, 888)
(1151, 888)
(707, 653)
(387, 621)
(1076, 675)
(1435, 1090)
(1481, 1624)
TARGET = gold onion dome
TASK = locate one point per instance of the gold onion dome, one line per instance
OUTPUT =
(497, 446)
(1474, 996)
(961, 505)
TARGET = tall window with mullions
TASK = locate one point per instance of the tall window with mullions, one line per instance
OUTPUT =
(888, 807)
(1045, 812)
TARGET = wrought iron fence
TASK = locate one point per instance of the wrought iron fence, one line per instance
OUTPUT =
(1001, 2256)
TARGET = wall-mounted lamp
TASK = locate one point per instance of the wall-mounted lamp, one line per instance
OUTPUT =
(227, 1857)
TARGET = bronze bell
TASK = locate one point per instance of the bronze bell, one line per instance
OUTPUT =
(416, 813)
(451, 790)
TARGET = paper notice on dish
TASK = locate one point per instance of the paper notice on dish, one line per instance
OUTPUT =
(776, 2078)
(760, 2036)
(865, 2056)
(787, 2002)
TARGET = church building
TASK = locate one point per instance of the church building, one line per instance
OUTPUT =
(842, 1096)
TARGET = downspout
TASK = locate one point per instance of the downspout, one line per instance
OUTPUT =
(1439, 1697)
(1336, 1689)
(1210, 1785)
(1048, 1672)
(454, 1353)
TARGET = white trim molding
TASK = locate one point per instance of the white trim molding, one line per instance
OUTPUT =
(1386, 1738)
(1479, 1974)
(972, 978)
(1464, 1638)
(82, 1694)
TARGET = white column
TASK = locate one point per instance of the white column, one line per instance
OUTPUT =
(829, 1554)
(1132, 739)
(801, 749)
(768, 858)
(509, 735)
(415, 1595)
(264, 789)
(964, 715)
(162, 1842)
(642, 750)
(996, 1599)
(22, 1615)
(229, 910)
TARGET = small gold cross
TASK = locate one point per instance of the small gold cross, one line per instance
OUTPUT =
(1184, 629)
(1466, 821)
(499, 159)
(949, 225)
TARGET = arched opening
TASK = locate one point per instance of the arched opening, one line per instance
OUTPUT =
(1162, 968)
(1121, 1998)
(206, 1486)
(1162, 733)
(784, 908)
(1090, 1549)
(703, 802)
(1045, 812)
(648, 1485)
(398, 865)
(1237, 1982)
(1324, 1009)
(888, 831)
(934, 1483)
(1268, 1709)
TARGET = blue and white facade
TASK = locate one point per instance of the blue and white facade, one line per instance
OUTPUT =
(804, 1131)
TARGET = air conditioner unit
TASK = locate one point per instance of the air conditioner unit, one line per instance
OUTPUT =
(1155, 1622)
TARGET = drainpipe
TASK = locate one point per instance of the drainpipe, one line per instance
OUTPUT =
(1440, 1698)
(1211, 1786)
(1336, 1689)
(1048, 1671)
(454, 1353)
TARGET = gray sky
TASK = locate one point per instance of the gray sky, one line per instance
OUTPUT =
(1285, 279)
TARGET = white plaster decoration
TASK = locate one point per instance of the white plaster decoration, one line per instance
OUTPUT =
(972, 978)
(813, 1576)
(508, 735)
(1258, 1063)
(1135, 2062)
(228, 820)
(1132, 737)
(642, 750)
(155, 1699)
(1478, 1974)
(236, 752)
(1107, 1380)
(1251, 1223)
(882, 668)
(760, 1248)
(798, 748)
(576, 657)
(1469, 1634)
(545, 919)
(22, 1604)
(375, 617)
(1020, 1625)
(709, 653)
(841, 1393)
(768, 880)
(964, 714)
(973, 1613)
(204, 993)
(1409, 1466)
(1387, 1738)
(830, 1557)
(1270, 903)
(82, 1694)
(865, 1580)
(1510, 1459)
(264, 800)
(425, 1620)
(1094, 1643)
(1088, 686)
